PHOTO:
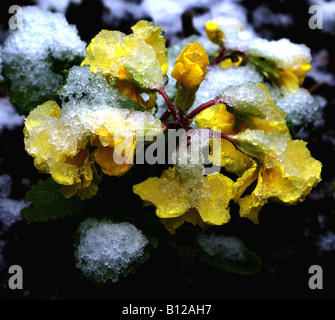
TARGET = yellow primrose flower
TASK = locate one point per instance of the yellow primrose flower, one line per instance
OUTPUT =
(174, 196)
(227, 63)
(292, 79)
(153, 35)
(214, 32)
(133, 92)
(287, 171)
(190, 68)
(217, 116)
(87, 185)
(69, 164)
(111, 161)
(230, 158)
(60, 140)
(288, 77)
(116, 55)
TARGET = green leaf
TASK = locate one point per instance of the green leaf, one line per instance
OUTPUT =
(251, 265)
(246, 100)
(82, 85)
(47, 203)
(229, 254)
(265, 66)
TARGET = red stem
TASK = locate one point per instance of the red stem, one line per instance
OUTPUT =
(165, 115)
(215, 134)
(204, 106)
(217, 60)
(223, 55)
(169, 103)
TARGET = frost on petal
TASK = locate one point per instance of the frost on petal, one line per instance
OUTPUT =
(165, 193)
(255, 107)
(60, 139)
(137, 58)
(182, 190)
(213, 203)
(153, 35)
(84, 86)
(283, 62)
(287, 173)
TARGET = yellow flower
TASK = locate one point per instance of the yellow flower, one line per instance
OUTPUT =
(133, 92)
(214, 32)
(227, 63)
(283, 168)
(230, 158)
(111, 161)
(292, 79)
(287, 77)
(190, 68)
(137, 60)
(87, 185)
(217, 116)
(61, 140)
(114, 136)
(174, 195)
(69, 164)
(287, 171)
(153, 36)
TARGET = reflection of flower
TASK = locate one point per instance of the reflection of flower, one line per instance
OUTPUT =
(190, 68)
(117, 57)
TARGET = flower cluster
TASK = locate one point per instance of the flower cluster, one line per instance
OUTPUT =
(248, 134)
(283, 62)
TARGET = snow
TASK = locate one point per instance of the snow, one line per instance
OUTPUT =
(107, 250)
(9, 119)
(56, 5)
(326, 242)
(229, 247)
(168, 13)
(10, 209)
(31, 54)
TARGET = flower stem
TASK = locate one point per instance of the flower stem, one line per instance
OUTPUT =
(204, 106)
(224, 54)
(218, 59)
(216, 134)
(169, 103)
(165, 115)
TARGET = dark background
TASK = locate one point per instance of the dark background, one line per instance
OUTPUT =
(286, 239)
